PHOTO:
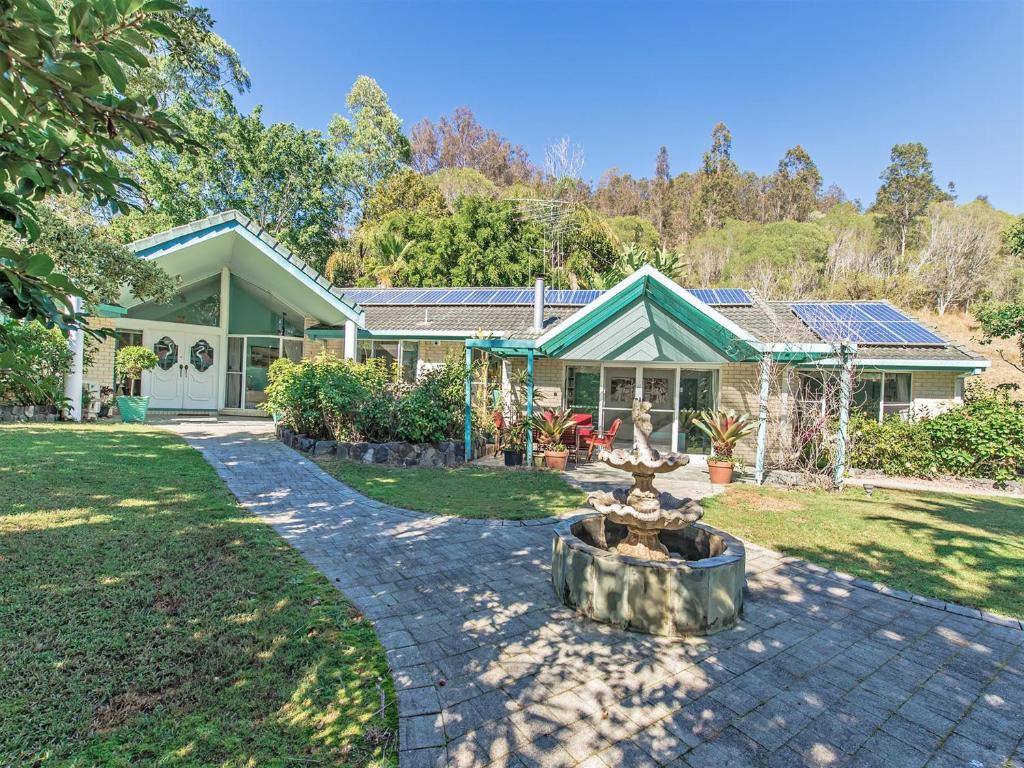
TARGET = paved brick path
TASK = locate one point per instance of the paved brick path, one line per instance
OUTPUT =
(491, 669)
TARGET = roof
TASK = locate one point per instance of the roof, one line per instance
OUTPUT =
(156, 246)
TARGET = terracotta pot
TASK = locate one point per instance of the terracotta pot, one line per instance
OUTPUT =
(556, 459)
(720, 471)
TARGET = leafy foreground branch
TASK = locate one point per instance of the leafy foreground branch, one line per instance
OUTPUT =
(146, 620)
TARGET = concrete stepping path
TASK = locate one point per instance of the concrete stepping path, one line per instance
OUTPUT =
(490, 669)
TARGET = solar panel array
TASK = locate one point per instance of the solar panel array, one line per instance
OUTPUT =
(514, 296)
(865, 322)
(722, 297)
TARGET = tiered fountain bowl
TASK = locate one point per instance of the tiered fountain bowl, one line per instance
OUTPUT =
(642, 561)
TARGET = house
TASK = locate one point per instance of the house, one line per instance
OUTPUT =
(246, 301)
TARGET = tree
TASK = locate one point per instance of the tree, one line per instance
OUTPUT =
(619, 194)
(908, 188)
(285, 178)
(662, 197)
(1004, 321)
(454, 183)
(390, 251)
(405, 190)
(89, 255)
(1013, 238)
(719, 178)
(370, 143)
(65, 113)
(795, 186)
(959, 253)
(460, 141)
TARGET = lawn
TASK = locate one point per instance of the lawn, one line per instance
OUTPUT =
(146, 619)
(962, 549)
(477, 492)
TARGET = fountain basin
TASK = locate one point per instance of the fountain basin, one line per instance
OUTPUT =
(698, 591)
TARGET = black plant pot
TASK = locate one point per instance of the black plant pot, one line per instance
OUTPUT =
(513, 458)
(104, 411)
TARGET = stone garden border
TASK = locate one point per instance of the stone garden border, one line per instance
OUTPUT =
(13, 414)
(447, 453)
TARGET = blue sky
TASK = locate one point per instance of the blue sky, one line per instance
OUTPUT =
(845, 79)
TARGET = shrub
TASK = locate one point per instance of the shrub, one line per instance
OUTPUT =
(345, 400)
(894, 446)
(41, 358)
(984, 437)
(130, 362)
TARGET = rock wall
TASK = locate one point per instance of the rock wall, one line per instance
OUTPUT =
(16, 413)
(447, 453)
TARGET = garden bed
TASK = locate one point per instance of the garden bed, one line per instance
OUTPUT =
(27, 413)
(447, 453)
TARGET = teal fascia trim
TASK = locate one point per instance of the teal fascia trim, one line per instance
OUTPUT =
(325, 333)
(560, 342)
(155, 250)
(505, 347)
(110, 310)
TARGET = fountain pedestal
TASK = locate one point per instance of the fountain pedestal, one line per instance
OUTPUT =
(644, 562)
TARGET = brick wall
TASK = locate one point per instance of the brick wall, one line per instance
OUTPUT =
(101, 372)
(934, 390)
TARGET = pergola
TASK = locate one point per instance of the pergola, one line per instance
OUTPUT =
(698, 327)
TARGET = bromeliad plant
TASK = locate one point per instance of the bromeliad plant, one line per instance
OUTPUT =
(549, 431)
(725, 428)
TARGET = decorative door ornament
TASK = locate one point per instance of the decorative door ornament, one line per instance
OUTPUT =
(166, 352)
(201, 355)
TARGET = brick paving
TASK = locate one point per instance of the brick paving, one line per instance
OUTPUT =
(490, 669)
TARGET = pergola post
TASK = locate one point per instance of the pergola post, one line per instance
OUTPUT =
(73, 379)
(350, 340)
(468, 433)
(845, 386)
(762, 417)
(529, 407)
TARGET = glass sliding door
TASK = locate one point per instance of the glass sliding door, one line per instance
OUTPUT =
(235, 388)
(696, 393)
(659, 385)
(261, 351)
(248, 365)
(619, 391)
(583, 389)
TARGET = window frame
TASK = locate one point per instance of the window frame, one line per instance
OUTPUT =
(882, 402)
(371, 345)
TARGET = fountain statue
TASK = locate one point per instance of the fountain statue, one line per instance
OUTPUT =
(644, 561)
(641, 508)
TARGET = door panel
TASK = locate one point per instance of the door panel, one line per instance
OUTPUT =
(164, 383)
(200, 373)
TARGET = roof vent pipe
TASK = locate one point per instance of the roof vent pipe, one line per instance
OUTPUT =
(538, 304)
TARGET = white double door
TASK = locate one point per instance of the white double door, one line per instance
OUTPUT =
(187, 371)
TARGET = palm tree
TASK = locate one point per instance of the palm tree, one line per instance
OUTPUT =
(391, 251)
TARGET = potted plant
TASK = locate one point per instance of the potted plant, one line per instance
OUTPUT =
(87, 401)
(725, 428)
(106, 402)
(513, 444)
(129, 363)
(549, 430)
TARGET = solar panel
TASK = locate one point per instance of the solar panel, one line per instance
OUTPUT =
(867, 322)
(517, 296)
(722, 297)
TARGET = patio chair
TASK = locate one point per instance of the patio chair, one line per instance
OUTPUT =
(499, 427)
(602, 439)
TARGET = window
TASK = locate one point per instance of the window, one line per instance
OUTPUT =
(879, 395)
(402, 355)
(583, 389)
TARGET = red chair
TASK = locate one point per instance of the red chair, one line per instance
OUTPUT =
(602, 440)
(499, 427)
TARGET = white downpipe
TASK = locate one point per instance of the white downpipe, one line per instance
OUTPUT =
(73, 380)
(350, 340)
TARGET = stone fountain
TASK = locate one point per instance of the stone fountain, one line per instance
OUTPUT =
(644, 562)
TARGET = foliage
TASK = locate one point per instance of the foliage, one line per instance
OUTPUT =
(193, 627)
(635, 231)
(725, 428)
(1004, 321)
(87, 253)
(469, 491)
(328, 397)
(1013, 237)
(908, 188)
(983, 437)
(406, 190)
(65, 112)
(130, 362)
(895, 446)
(41, 360)
(513, 437)
(285, 178)
(370, 144)
(549, 429)
(961, 549)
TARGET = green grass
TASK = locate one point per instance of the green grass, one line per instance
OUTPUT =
(476, 492)
(145, 619)
(962, 549)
